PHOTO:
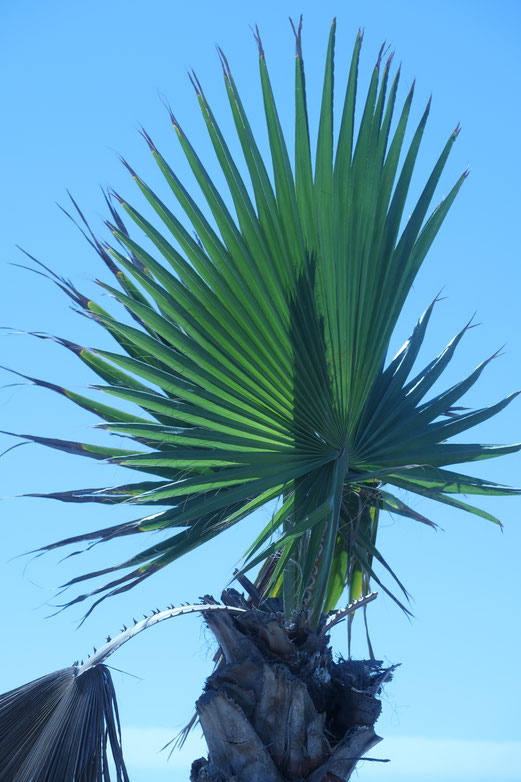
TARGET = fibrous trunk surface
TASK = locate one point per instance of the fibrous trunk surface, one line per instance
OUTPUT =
(278, 708)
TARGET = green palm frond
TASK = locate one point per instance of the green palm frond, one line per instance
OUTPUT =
(255, 352)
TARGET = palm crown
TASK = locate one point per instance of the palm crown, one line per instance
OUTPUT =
(256, 350)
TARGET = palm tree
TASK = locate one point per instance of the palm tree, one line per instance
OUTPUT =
(254, 351)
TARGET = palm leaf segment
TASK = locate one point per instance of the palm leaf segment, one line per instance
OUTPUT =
(256, 351)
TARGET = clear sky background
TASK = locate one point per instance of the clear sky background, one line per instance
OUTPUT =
(77, 79)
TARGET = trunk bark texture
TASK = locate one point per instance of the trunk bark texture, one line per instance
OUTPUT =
(278, 708)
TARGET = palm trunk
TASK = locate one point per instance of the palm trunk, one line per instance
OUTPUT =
(278, 708)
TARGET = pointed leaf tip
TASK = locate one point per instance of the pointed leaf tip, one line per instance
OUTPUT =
(169, 109)
(147, 138)
(389, 62)
(297, 31)
(224, 63)
(380, 54)
(196, 84)
(256, 35)
(129, 169)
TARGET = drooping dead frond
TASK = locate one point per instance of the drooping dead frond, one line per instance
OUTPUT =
(60, 728)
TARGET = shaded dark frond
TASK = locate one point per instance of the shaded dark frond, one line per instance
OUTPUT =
(60, 728)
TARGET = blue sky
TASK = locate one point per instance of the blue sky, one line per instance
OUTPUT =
(78, 80)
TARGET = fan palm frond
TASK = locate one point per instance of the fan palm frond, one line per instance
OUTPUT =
(255, 353)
